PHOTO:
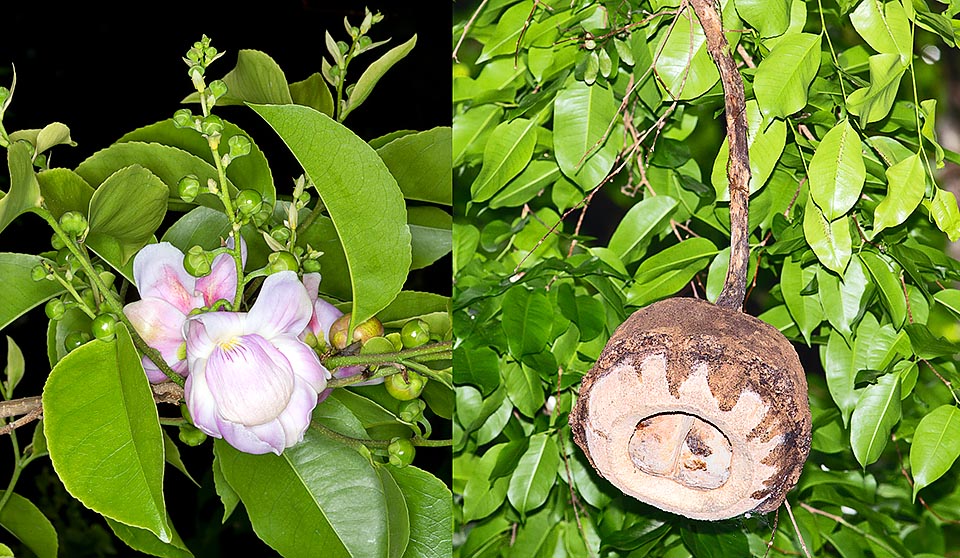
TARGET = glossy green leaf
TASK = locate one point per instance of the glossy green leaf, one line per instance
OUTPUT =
(842, 300)
(527, 317)
(430, 235)
(683, 65)
(891, 291)
(946, 213)
(507, 152)
(420, 163)
(146, 542)
(21, 292)
(949, 298)
(784, 76)
(583, 123)
(466, 238)
(409, 304)
(884, 26)
(470, 130)
(103, 433)
(524, 388)
(906, 182)
(256, 78)
(873, 103)
(837, 172)
(478, 366)
(838, 366)
(765, 141)
(376, 70)
(535, 474)
(770, 18)
(805, 309)
(322, 236)
(250, 172)
(24, 193)
(362, 198)
(935, 446)
(51, 135)
(125, 211)
(398, 515)
(481, 497)
(313, 92)
(171, 453)
(928, 345)
(321, 494)
(228, 496)
(73, 320)
(13, 371)
(27, 523)
(506, 36)
(830, 241)
(431, 513)
(537, 176)
(714, 540)
(208, 228)
(64, 190)
(644, 219)
(876, 413)
(586, 312)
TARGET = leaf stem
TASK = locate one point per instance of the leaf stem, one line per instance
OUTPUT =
(357, 442)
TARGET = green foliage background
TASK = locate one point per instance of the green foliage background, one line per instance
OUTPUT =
(565, 112)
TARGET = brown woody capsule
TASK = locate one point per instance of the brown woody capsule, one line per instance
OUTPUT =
(697, 410)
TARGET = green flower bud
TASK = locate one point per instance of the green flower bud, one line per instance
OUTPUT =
(405, 389)
(364, 42)
(412, 411)
(73, 223)
(211, 125)
(311, 266)
(217, 88)
(183, 118)
(74, 340)
(282, 261)
(55, 309)
(401, 451)
(280, 234)
(104, 327)
(57, 242)
(239, 146)
(197, 262)
(367, 330)
(249, 202)
(38, 273)
(188, 188)
(191, 435)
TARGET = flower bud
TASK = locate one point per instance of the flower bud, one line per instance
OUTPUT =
(311, 266)
(197, 262)
(405, 389)
(188, 188)
(183, 118)
(104, 327)
(401, 452)
(211, 125)
(412, 411)
(239, 146)
(191, 435)
(249, 202)
(55, 309)
(280, 233)
(415, 333)
(57, 242)
(196, 76)
(74, 340)
(281, 261)
(38, 273)
(73, 223)
(217, 88)
(367, 330)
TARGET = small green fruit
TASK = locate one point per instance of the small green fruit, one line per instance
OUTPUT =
(104, 327)
(415, 333)
(405, 389)
(367, 330)
(401, 452)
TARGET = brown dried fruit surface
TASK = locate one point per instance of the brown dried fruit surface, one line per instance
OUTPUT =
(731, 371)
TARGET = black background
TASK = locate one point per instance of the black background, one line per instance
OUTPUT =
(104, 70)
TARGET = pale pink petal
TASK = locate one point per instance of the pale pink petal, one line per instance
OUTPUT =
(324, 314)
(311, 281)
(267, 438)
(160, 325)
(200, 403)
(303, 360)
(250, 380)
(158, 272)
(221, 283)
(204, 332)
(295, 419)
(283, 307)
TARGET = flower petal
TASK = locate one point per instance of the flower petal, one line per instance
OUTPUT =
(221, 282)
(158, 271)
(204, 332)
(251, 381)
(256, 440)
(295, 419)
(160, 324)
(324, 314)
(283, 307)
(200, 403)
(304, 362)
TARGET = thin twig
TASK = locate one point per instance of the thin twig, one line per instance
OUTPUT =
(848, 525)
(16, 407)
(796, 527)
(466, 28)
(33, 415)
(773, 532)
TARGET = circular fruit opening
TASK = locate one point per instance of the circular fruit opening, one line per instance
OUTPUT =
(682, 447)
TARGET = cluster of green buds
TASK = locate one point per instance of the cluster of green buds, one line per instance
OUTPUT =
(282, 238)
(210, 126)
(342, 53)
(198, 58)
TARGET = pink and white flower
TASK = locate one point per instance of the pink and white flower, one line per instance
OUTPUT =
(252, 381)
(167, 295)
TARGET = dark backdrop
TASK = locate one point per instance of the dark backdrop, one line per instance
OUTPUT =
(104, 70)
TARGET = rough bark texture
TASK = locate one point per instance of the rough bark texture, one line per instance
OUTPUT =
(727, 369)
(738, 165)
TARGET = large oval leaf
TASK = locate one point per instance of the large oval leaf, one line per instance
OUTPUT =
(831, 241)
(785, 74)
(319, 494)
(24, 191)
(888, 279)
(103, 433)
(421, 164)
(508, 150)
(906, 182)
(885, 27)
(361, 197)
(21, 292)
(630, 239)
(582, 115)
(64, 190)
(535, 474)
(936, 446)
(26, 522)
(837, 172)
(765, 141)
(877, 411)
(431, 512)
(527, 317)
(125, 211)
